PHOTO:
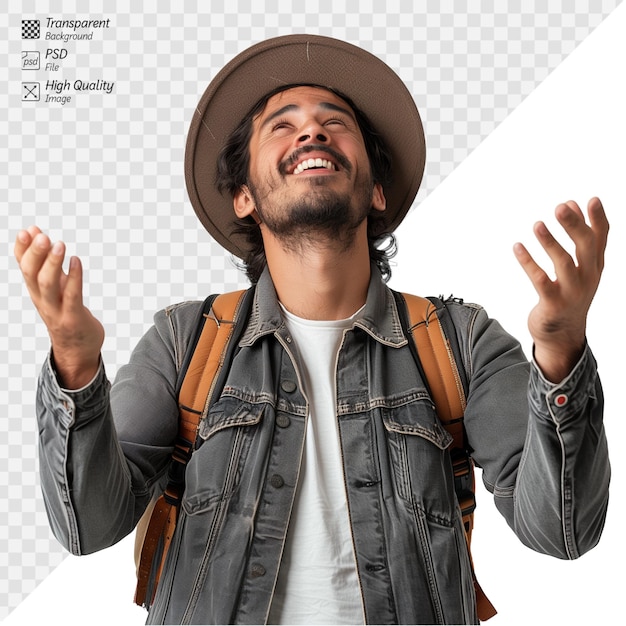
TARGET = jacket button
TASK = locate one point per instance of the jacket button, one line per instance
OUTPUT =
(288, 386)
(257, 570)
(277, 481)
(283, 421)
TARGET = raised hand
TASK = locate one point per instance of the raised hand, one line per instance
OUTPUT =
(76, 335)
(558, 322)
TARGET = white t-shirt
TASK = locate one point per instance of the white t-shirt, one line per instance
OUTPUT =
(317, 582)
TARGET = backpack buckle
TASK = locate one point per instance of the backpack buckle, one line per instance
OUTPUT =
(182, 451)
(463, 469)
(176, 473)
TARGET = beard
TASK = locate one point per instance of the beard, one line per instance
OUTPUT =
(322, 217)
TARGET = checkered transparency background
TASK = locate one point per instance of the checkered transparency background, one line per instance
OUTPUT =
(104, 172)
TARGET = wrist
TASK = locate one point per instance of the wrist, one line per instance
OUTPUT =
(74, 372)
(557, 361)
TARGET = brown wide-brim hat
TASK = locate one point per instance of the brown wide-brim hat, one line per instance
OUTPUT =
(290, 60)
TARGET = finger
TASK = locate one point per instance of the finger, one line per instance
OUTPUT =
(73, 292)
(574, 207)
(588, 250)
(540, 280)
(599, 222)
(22, 241)
(595, 204)
(33, 257)
(50, 274)
(561, 259)
(570, 217)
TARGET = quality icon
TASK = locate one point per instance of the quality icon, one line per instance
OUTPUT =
(30, 92)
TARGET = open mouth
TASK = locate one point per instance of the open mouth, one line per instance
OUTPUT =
(314, 164)
(315, 157)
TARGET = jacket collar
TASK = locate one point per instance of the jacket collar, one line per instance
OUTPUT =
(379, 317)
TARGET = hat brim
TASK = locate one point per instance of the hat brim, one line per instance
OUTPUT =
(301, 59)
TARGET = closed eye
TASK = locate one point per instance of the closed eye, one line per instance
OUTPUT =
(335, 121)
(279, 124)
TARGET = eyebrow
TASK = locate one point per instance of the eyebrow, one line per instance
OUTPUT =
(327, 106)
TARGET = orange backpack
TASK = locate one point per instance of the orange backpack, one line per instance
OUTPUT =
(434, 347)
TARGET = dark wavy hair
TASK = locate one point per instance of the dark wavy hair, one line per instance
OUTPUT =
(233, 166)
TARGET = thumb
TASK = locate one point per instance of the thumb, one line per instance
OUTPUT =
(73, 294)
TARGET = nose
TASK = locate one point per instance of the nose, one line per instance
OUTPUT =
(314, 132)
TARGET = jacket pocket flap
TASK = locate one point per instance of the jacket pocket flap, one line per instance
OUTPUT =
(228, 413)
(417, 418)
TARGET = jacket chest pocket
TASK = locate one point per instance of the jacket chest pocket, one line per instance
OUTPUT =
(419, 457)
(215, 468)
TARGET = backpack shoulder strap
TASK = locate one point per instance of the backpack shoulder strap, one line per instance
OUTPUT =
(437, 357)
(204, 361)
(205, 354)
(437, 354)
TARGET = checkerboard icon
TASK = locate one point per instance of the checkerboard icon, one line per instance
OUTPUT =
(30, 29)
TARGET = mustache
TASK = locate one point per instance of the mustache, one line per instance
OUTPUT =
(297, 154)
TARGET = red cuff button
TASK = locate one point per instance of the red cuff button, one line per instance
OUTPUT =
(561, 400)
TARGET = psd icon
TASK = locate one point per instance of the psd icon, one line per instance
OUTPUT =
(30, 29)
(31, 60)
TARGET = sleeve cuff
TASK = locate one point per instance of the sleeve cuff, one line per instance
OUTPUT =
(55, 377)
(568, 396)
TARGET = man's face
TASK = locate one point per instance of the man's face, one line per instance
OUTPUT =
(309, 169)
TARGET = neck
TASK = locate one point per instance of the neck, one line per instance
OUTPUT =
(322, 281)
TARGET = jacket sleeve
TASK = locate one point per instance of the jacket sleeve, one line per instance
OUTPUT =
(541, 446)
(102, 449)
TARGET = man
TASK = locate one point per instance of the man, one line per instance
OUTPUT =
(321, 490)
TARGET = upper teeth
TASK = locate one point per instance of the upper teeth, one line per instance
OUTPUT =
(311, 163)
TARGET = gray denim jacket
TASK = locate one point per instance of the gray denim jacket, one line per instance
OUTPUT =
(541, 446)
